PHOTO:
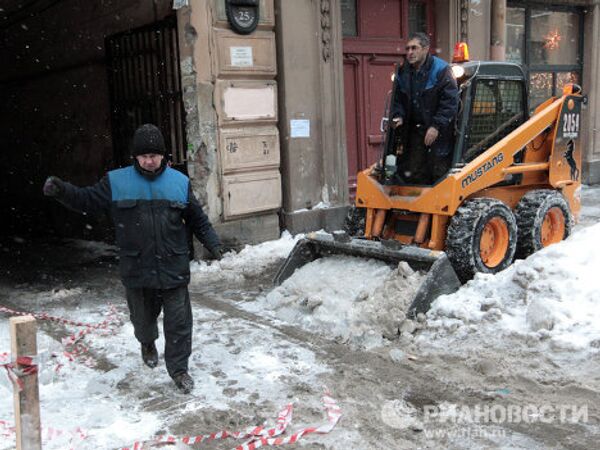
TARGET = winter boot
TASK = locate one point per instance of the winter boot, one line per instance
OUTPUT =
(150, 355)
(184, 382)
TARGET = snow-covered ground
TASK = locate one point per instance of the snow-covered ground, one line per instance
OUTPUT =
(528, 334)
(552, 297)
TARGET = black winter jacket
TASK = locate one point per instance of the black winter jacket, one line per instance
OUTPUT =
(437, 95)
(150, 218)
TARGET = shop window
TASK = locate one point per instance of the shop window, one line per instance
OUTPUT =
(547, 41)
(515, 35)
(554, 37)
(541, 86)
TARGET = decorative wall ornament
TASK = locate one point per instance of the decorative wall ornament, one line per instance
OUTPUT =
(243, 15)
(464, 20)
(326, 29)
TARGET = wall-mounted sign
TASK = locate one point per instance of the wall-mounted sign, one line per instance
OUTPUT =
(241, 56)
(178, 4)
(242, 15)
(299, 128)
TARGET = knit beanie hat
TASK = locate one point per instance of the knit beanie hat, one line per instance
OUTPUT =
(148, 139)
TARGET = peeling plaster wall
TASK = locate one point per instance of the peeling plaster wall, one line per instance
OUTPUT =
(194, 25)
(214, 92)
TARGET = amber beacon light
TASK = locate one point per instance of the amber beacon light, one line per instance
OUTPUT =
(461, 52)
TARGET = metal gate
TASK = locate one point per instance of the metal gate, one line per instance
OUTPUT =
(145, 87)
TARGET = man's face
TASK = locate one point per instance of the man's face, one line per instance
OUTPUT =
(149, 161)
(416, 54)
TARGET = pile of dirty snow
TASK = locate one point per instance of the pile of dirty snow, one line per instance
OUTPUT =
(251, 261)
(355, 300)
(553, 296)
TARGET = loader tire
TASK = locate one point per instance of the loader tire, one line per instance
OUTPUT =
(543, 218)
(482, 237)
(354, 223)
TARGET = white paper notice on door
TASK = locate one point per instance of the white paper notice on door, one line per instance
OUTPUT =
(241, 56)
(300, 128)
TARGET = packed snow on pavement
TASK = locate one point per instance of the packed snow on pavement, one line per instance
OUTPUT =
(528, 334)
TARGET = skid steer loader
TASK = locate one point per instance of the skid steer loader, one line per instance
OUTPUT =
(513, 188)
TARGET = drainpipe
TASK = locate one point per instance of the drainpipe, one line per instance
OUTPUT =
(498, 32)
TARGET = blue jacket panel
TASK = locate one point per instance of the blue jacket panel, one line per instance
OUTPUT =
(127, 184)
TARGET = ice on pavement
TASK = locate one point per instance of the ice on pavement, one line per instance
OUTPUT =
(233, 361)
(551, 298)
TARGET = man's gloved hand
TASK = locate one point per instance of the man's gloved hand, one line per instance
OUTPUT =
(53, 187)
(216, 253)
(397, 122)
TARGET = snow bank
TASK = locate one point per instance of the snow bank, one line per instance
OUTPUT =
(554, 295)
(351, 299)
(251, 261)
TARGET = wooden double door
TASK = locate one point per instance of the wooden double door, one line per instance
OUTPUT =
(375, 36)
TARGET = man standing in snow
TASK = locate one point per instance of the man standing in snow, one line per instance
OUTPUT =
(151, 205)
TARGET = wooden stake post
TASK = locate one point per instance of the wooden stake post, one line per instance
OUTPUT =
(27, 402)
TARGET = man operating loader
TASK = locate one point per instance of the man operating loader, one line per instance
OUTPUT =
(151, 205)
(425, 106)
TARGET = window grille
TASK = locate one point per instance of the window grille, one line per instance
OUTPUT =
(497, 110)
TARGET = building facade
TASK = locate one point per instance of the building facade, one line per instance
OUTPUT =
(271, 125)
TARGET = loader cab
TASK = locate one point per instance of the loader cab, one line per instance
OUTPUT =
(493, 103)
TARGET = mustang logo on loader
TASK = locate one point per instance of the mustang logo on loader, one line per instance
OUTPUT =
(477, 173)
(568, 155)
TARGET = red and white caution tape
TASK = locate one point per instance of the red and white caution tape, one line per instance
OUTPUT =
(24, 365)
(259, 436)
(284, 418)
(6, 429)
(334, 413)
(48, 434)
(73, 351)
(48, 317)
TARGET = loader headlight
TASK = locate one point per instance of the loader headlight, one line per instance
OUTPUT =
(458, 71)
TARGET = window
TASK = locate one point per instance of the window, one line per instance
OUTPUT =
(417, 16)
(349, 18)
(554, 37)
(547, 41)
(515, 35)
(497, 110)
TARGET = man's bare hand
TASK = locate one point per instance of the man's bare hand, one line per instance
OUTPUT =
(397, 122)
(431, 136)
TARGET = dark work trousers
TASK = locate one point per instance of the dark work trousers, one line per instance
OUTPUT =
(419, 164)
(144, 308)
